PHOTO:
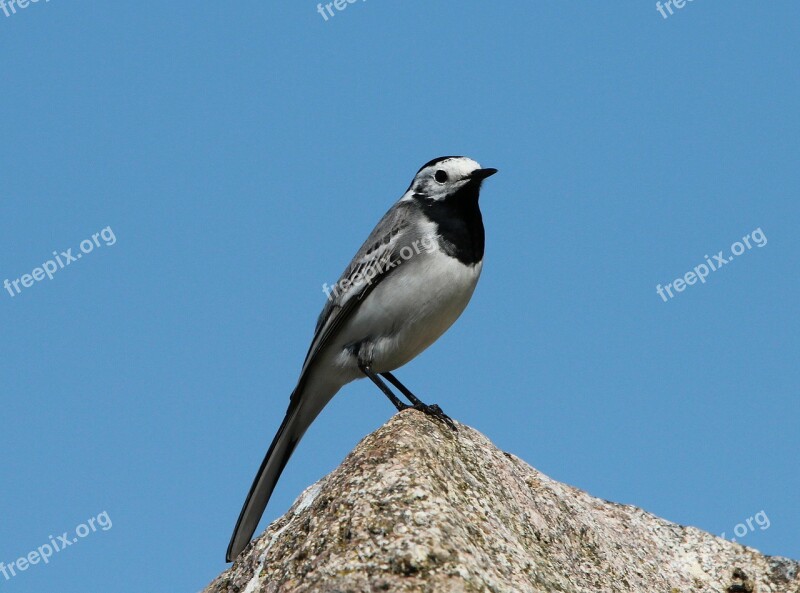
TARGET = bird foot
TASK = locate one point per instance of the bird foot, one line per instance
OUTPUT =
(434, 411)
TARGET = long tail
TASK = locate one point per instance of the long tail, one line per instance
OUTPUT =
(299, 416)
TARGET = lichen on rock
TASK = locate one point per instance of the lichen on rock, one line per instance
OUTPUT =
(417, 507)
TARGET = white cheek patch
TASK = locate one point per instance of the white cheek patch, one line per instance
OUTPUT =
(458, 170)
(438, 192)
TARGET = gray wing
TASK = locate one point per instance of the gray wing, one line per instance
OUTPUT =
(374, 261)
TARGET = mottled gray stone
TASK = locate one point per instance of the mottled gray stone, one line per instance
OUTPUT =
(418, 507)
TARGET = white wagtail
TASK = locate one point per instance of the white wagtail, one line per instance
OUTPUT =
(405, 287)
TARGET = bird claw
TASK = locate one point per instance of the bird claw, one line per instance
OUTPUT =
(436, 412)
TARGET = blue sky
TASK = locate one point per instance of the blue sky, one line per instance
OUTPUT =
(240, 153)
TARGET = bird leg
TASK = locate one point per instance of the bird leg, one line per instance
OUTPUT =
(367, 370)
(432, 410)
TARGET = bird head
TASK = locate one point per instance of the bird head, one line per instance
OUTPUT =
(446, 176)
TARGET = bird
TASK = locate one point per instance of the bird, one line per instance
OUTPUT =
(407, 284)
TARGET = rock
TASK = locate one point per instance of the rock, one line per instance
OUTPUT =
(419, 507)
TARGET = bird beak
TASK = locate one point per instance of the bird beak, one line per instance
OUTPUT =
(481, 174)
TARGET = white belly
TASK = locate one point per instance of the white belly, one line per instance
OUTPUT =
(408, 311)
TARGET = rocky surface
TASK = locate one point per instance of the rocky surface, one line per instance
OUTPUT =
(418, 507)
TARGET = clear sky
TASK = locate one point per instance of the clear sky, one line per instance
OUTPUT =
(239, 153)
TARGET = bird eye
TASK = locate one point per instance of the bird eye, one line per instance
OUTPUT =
(440, 176)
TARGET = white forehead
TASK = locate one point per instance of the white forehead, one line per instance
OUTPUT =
(456, 167)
